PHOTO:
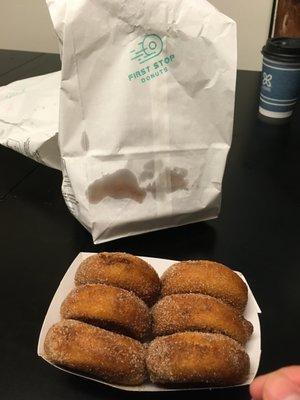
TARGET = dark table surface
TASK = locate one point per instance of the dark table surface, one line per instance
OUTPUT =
(257, 232)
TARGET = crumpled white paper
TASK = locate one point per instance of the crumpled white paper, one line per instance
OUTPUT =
(146, 112)
(160, 265)
(29, 112)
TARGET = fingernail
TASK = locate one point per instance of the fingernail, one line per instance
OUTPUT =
(293, 397)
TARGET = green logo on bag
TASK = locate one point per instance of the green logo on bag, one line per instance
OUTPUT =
(151, 46)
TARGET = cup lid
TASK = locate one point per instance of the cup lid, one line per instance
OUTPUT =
(284, 48)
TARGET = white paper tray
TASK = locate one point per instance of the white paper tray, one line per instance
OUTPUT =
(160, 265)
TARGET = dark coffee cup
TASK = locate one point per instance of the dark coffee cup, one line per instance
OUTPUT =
(280, 88)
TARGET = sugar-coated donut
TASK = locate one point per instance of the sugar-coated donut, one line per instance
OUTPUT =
(198, 312)
(206, 277)
(194, 357)
(110, 308)
(82, 347)
(122, 270)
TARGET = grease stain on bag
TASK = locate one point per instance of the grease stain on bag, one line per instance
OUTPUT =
(121, 184)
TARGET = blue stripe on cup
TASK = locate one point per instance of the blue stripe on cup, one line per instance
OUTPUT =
(279, 101)
(280, 88)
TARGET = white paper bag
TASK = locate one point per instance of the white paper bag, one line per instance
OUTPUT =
(29, 118)
(146, 111)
